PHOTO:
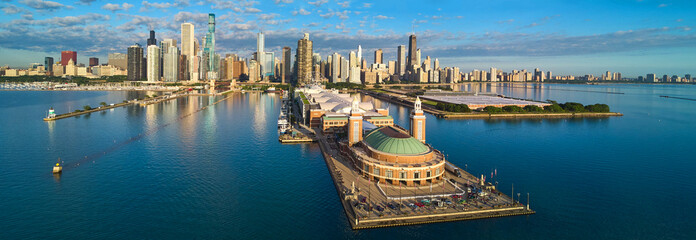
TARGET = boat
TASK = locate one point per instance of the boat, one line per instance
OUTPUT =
(273, 90)
(283, 124)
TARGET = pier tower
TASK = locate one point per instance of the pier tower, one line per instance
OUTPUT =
(355, 132)
(418, 121)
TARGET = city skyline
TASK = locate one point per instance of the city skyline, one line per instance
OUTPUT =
(566, 41)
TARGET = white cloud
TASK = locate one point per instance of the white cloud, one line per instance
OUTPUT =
(283, 1)
(318, 3)
(12, 9)
(345, 4)
(367, 5)
(44, 5)
(302, 11)
(252, 10)
(115, 7)
(383, 17)
(663, 5)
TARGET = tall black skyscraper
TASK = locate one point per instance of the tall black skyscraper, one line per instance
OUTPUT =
(412, 51)
(152, 40)
(135, 63)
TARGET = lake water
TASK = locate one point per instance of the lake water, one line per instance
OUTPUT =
(154, 172)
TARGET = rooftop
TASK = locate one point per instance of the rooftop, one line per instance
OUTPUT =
(394, 141)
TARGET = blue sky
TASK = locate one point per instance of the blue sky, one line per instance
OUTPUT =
(566, 37)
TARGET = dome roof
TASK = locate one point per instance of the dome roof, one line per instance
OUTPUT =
(391, 140)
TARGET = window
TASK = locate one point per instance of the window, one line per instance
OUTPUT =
(427, 174)
(437, 171)
(402, 175)
(376, 171)
(356, 131)
(416, 174)
(367, 168)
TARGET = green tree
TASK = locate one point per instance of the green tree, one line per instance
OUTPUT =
(573, 107)
(553, 108)
(532, 108)
(603, 108)
(87, 107)
(492, 109)
(512, 109)
(103, 104)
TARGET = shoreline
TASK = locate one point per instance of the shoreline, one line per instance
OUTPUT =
(403, 101)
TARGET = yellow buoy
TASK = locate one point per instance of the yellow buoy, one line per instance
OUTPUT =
(57, 168)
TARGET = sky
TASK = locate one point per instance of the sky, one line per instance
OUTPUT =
(634, 37)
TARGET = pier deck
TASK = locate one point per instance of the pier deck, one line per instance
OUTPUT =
(345, 178)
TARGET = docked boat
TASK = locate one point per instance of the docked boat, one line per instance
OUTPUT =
(273, 90)
(283, 124)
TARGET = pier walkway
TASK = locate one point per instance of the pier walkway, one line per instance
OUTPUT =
(371, 205)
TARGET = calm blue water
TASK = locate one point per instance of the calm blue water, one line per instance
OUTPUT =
(137, 172)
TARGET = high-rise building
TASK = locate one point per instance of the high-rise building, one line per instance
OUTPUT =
(118, 60)
(135, 63)
(344, 69)
(417, 62)
(209, 49)
(379, 56)
(494, 75)
(304, 60)
(359, 55)
(187, 39)
(154, 62)
(651, 77)
(66, 56)
(171, 64)
(93, 61)
(152, 40)
(336, 68)
(401, 60)
(286, 64)
(48, 62)
(268, 65)
(412, 51)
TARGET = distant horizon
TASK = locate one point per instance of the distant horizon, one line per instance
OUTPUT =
(562, 38)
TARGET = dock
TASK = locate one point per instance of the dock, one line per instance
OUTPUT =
(74, 114)
(346, 180)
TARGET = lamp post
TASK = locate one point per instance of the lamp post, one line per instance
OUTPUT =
(518, 197)
(527, 201)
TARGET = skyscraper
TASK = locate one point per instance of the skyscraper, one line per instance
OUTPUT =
(286, 64)
(187, 39)
(336, 67)
(48, 62)
(209, 48)
(93, 61)
(153, 63)
(118, 60)
(66, 56)
(304, 60)
(171, 64)
(359, 55)
(401, 60)
(152, 40)
(412, 51)
(379, 55)
(135, 63)
(494, 75)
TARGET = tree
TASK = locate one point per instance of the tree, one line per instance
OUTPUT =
(87, 107)
(512, 109)
(103, 104)
(492, 109)
(532, 108)
(553, 108)
(597, 108)
(573, 107)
